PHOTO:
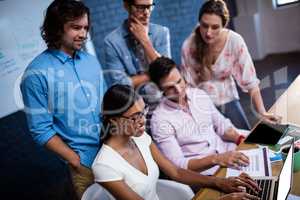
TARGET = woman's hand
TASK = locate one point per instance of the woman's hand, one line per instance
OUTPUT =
(271, 118)
(238, 196)
(237, 184)
(260, 108)
(233, 159)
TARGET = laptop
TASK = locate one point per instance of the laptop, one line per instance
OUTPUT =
(266, 133)
(277, 188)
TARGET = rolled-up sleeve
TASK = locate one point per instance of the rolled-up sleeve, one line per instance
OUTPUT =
(113, 69)
(243, 68)
(164, 45)
(105, 173)
(35, 98)
(163, 134)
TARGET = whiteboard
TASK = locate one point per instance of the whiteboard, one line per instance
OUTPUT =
(20, 42)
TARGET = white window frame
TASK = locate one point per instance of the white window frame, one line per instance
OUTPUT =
(284, 5)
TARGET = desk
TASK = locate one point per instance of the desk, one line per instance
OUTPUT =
(287, 106)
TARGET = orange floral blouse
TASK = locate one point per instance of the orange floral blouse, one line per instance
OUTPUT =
(233, 65)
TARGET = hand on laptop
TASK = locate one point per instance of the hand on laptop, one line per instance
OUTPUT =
(297, 144)
(271, 118)
(236, 184)
(233, 159)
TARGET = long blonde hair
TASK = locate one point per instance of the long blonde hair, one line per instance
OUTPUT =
(202, 56)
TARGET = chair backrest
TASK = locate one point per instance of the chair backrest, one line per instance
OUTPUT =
(95, 192)
(167, 189)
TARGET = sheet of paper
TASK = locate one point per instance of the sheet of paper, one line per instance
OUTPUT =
(259, 164)
(293, 197)
(294, 130)
(285, 140)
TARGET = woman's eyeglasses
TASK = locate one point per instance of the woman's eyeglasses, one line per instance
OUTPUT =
(137, 116)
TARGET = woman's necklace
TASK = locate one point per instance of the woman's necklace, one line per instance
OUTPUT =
(130, 148)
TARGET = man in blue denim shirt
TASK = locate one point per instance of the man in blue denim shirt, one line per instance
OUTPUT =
(133, 46)
(62, 90)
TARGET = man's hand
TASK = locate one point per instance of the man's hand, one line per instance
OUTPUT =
(74, 161)
(233, 159)
(58, 146)
(139, 31)
(76, 165)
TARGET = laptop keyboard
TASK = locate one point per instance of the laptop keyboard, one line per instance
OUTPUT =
(275, 191)
(265, 192)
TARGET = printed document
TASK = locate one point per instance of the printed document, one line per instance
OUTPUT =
(259, 164)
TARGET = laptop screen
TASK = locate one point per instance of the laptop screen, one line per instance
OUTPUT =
(285, 177)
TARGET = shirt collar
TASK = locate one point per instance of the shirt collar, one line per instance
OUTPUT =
(126, 32)
(174, 105)
(171, 104)
(63, 57)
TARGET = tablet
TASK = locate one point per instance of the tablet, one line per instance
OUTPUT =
(265, 133)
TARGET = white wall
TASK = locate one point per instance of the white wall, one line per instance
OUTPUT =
(267, 30)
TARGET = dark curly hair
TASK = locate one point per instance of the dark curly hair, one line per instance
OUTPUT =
(129, 1)
(59, 13)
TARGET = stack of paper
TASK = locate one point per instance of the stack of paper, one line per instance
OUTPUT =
(259, 165)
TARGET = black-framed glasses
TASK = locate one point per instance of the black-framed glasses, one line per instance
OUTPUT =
(142, 8)
(137, 116)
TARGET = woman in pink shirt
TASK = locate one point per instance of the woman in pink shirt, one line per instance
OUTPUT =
(214, 58)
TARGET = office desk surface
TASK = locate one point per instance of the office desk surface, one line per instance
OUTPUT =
(288, 107)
